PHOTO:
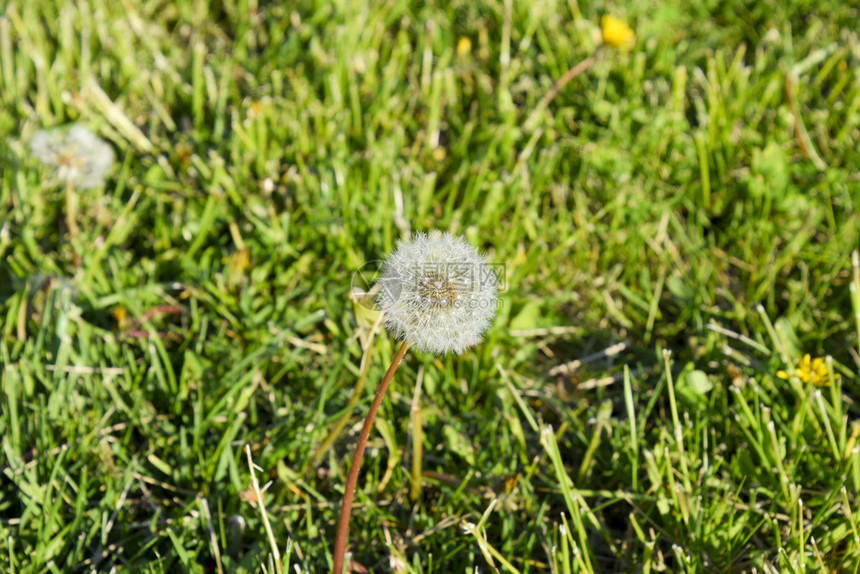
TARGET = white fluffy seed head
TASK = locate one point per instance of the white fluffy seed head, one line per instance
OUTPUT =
(438, 293)
(78, 156)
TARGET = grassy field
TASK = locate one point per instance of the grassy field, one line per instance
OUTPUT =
(680, 219)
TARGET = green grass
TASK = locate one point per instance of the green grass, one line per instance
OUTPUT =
(669, 199)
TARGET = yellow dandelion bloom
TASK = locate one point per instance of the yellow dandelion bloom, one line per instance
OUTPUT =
(809, 370)
(464, 47)
(617, 33)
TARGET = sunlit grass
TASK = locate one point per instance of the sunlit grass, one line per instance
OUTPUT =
(677, 227)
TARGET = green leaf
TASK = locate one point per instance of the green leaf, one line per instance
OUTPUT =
(529, 316)
(693, 387)
(459, 444)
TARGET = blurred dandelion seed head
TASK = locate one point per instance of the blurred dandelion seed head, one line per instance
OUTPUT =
(78, 156)
(617, 33)
(438, 292)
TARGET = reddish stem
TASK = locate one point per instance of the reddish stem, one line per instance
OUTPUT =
(352, 477)
(567, 77)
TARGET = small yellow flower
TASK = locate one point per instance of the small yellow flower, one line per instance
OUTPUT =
(255, 110)
(464, 47)
(617, 33)
(809, 370)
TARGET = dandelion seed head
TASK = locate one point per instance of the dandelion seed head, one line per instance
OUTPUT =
(78, 156)
(438, 293)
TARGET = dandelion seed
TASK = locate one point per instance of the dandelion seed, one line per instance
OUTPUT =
(79, 158)
(438, 293)
(617, 33)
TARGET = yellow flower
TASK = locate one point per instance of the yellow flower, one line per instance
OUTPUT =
(617, 33)
(809, 370)
(464, 47)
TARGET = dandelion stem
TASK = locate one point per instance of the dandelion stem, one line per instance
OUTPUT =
(71, 210)
(558, 85)
(562, 81)
(417, 439)
(352, 477)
